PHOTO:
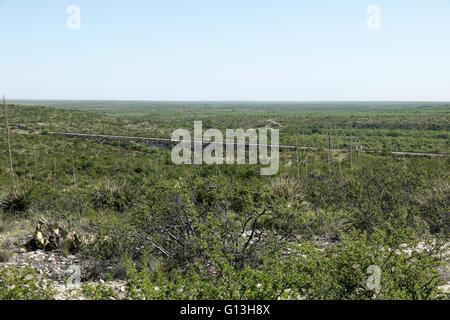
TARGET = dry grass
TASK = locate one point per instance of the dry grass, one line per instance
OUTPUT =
(286, 188)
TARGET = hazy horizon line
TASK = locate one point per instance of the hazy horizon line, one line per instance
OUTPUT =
(223, 100)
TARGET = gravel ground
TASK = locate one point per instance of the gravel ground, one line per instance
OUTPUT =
(58, 268)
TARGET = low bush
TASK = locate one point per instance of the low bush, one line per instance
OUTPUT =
(17, 284)
(344, 271)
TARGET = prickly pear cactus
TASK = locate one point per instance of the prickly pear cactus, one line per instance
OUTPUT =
(50, 236)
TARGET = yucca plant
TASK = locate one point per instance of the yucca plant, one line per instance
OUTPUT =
(116, 194)
(16, 202)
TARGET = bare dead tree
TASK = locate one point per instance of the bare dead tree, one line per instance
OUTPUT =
(300, 153)
(297, 157)
(73, 171)
(437, 161)
(54, 165)
(329, 150)
(29, 170)
(351, 147)
(118, 159)
(9, 147)
(306, 164)
(337, 148)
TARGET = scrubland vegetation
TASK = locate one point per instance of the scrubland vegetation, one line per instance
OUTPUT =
(225, 232)
(420, 127)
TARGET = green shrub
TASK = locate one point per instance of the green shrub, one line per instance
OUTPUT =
(226, 283)
(408, 271)
(336, 272)
(98, 292)
(24, 284)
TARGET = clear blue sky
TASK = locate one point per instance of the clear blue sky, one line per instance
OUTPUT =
(225, 50)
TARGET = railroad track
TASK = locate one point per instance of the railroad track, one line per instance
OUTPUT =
(169, 143)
